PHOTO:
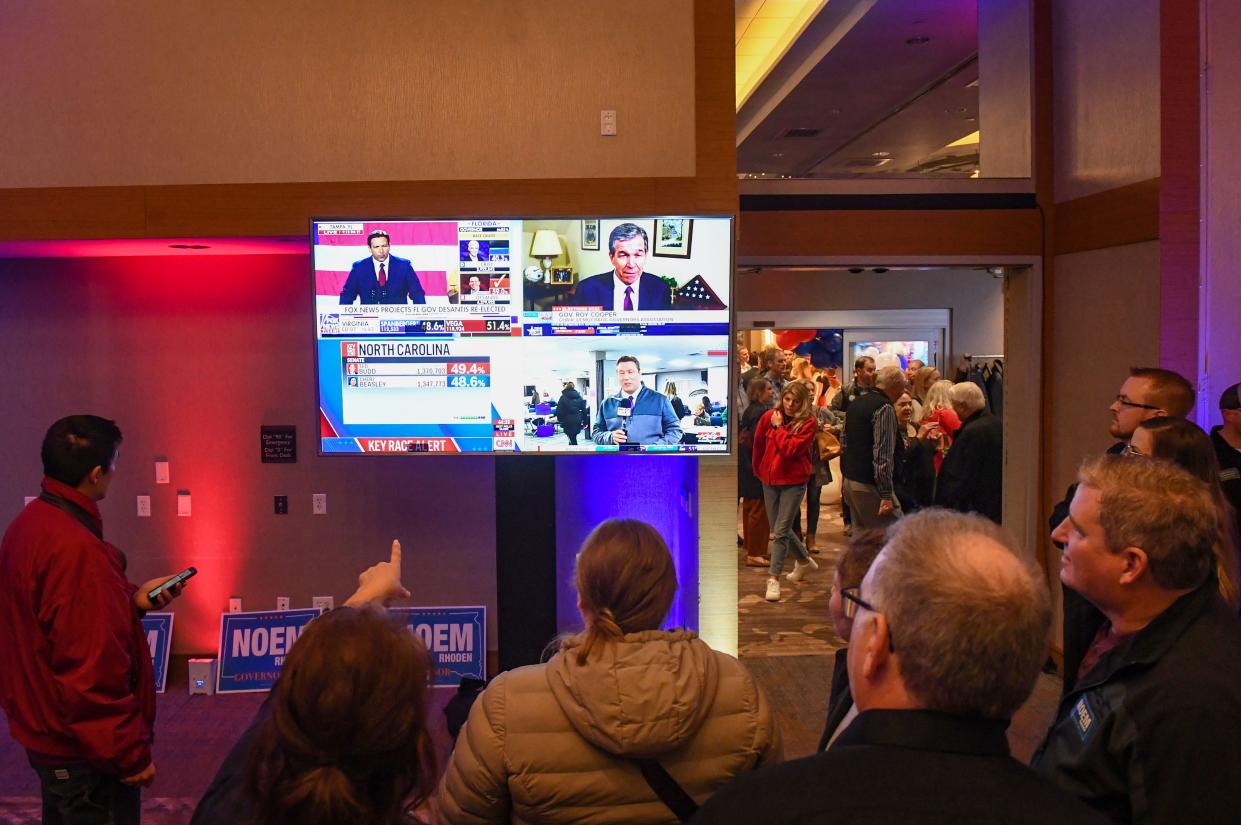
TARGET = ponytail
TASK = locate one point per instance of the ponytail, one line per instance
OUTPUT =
(625, 582)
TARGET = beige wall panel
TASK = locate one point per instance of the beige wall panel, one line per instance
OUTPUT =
(1105, 319)
(147, 92)
(1106, 71)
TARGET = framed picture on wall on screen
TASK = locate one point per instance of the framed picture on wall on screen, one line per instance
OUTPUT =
(590, 235)
(672, 237)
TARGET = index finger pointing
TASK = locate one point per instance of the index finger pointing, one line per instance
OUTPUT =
(396, 554)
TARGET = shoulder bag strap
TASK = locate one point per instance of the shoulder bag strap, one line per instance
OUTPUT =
(73, 510)
(667, 789)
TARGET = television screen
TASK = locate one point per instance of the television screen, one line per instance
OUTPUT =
(523, 335)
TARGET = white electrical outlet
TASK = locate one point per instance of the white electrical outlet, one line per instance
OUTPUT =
(318, 504)
(161, 472)
(282, 602)
(234, 604)
(607, 122)
(144, 506)
(322, 602)
(183, 502)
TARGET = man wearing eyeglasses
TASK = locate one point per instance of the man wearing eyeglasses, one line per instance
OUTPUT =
(949, 633)
(1148, 392)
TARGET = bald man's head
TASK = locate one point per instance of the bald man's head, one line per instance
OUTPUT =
(968, 617)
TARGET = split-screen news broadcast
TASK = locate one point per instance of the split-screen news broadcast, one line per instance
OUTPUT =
(523, 335)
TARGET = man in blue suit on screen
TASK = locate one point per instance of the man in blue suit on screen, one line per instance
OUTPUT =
(628, 288)
(635, 415)
(382, 278)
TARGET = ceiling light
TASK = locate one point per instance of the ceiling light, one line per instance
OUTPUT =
(971, 139)
(881, 154)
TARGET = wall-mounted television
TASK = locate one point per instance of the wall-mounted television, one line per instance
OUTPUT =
(523, 335)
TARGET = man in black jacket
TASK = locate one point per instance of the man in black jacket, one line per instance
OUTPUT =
(1147, 728)
(972, 476)
(1226, 439)
(1148, 392)
(950, 631)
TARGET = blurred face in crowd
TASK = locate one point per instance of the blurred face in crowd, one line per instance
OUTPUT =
(911, 368)
(1132, 406)
(904, 409)
(836, 607)
(1232, 421)
(789, 405)
(744, 357)
(768, 395)
(628, 375)
(779, 364)
(1142, 442)
(865, 377)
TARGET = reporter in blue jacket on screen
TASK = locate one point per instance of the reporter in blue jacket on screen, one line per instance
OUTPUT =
(636, 414)
(382, 278)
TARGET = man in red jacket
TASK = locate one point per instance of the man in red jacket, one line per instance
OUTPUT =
(75, 670)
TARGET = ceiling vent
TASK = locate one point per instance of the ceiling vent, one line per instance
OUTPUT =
(802, 133)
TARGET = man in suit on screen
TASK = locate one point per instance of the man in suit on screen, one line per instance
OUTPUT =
(627, 288)
(382, 278)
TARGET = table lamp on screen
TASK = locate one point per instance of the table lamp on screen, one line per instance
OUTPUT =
(546, 245)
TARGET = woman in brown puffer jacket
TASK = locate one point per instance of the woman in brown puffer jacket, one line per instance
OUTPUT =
(558, 742)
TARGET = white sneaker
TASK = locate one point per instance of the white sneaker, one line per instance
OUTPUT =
(800, 568)
(773, 589)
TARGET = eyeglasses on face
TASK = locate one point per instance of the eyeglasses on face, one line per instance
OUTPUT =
(1125, 402)
(854, 600)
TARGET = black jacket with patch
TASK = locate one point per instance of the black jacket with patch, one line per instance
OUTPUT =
(1151, 733)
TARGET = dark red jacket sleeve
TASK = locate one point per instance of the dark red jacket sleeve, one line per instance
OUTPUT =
(761, 433)
(86, 605)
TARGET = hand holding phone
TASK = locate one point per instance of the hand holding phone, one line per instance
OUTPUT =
(159, 592)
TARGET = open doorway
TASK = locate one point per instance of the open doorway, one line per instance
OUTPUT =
(827, 317)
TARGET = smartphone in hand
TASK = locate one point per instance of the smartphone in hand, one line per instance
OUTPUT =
(187, 573)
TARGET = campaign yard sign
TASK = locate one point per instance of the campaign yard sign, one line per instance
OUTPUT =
(253, 647)
(158, 629)
(456, 638)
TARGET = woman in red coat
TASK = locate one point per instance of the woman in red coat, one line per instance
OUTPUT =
(782, 445)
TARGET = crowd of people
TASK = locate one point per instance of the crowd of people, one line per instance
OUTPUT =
(907, 439)
(946, 627)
